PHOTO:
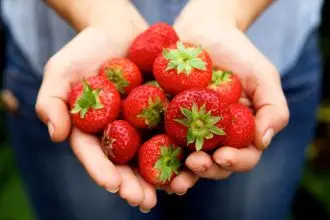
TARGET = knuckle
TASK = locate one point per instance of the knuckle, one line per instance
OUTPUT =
(283, 117)
(50, 65)
(59, 68)
(39, 107)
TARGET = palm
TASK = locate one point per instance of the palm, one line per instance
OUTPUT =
(231, 50)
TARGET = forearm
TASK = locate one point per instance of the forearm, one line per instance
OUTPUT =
(98, 13)
(245, 12)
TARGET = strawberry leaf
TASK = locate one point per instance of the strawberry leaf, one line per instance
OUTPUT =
(217, 131)
(198, 63)
(199, 143)
(168, 162)
(184, 59)
(89, 99)
(201, 125)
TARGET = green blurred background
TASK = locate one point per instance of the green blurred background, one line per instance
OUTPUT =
(312, 199)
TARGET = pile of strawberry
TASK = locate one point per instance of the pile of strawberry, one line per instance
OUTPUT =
(185, 105)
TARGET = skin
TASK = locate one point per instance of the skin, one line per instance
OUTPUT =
(81, 58)
(105, 33)
(260, 79)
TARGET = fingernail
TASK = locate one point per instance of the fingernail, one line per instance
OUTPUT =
(181, 194)
(224, 163)
(112, 190)
(50, 129)
(144, 211)
(132, 204)
(267, 138)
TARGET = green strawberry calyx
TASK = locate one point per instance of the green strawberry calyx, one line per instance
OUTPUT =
(184, 59)
(168, 162)
(115, 75)
(89, 99)
(219, 77)
(153, 83)
(201, 125)
(152, 114)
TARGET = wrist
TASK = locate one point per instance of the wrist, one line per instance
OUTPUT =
(101, 14)
(235, 13)
(245, 12)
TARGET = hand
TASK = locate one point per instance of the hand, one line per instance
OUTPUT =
(78, 59)
(215, 29)
(81, 58)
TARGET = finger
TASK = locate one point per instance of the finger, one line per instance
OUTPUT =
(130, 188)
(150, 196)
(168, 190)
(237, 160)
(246, 101)
(261, 82)
(270, 119)
(204, 166)
(72, 63)
(88, 151)
(181, 183)
(52, 109)
(272, 112)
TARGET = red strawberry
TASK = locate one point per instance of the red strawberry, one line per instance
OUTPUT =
(241, 130)
(183, 66)
(124, 74)
(94, 103)
(146, 46)
(159, 160)
(153, 83)
(120, 141)
(196, 118)
(227, 85)
(144, 106)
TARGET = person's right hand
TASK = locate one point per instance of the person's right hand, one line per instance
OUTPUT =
(79, 59)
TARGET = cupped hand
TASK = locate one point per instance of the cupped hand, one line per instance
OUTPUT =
(79, 59)
(215, 29)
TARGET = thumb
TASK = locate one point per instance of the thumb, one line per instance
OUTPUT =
(80, 57)
(52, 109)
(272, 112)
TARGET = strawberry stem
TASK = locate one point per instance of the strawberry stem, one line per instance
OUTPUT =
(153, 113)
(87, 100)
(168, 162)
(115, 75)
(219, 77)
(201, 125)
(184, 59)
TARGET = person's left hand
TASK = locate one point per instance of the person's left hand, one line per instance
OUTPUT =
(215, 29)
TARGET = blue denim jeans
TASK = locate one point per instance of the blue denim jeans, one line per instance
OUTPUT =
(59, 188)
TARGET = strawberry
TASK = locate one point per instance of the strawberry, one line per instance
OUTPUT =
(94, 103)
(146, 46)
(227, 85)
(124, 74)
(196, 118)
(159, 160)
(241, 129)
(153, 83)
(183, 66)
(144, 106)
(120, 141)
